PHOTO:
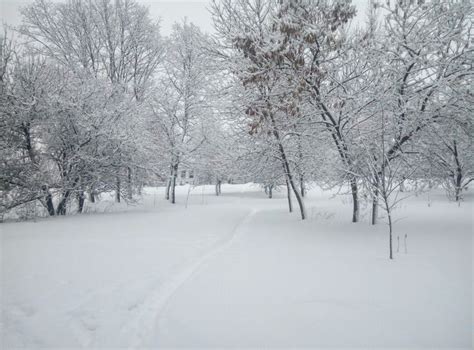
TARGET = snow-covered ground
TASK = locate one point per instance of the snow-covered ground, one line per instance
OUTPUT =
(238, 270)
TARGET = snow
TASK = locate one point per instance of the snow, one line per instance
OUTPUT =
(238, 270)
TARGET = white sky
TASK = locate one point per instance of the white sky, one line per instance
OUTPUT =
(168, 10)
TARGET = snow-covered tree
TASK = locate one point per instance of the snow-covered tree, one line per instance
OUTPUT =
(24, 84)
(425, 50)
(179, 103)
(247, 28)
(113, 40)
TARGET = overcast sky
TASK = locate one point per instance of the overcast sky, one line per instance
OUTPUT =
(169, 12)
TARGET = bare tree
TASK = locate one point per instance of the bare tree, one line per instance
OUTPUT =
(179, 103)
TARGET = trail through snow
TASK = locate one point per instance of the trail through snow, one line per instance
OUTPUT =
(152, 309)
(238, 270)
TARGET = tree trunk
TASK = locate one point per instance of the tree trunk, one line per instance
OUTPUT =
(80, 201)
(49, 201)
(459, 174)
(61, 209)
(289, 177)
(92, 196)
(117, 190)
(173, 183)
(299, 199)
(402, 185)
(355, 201)
(287, 170)
(302, 188)
(270, 191)
(375, 208)
(390, 232)
(218, 187)
(375, 203)
(129, 183)
(168, 183)
(288, 193)
(458, 187)
(140, 188)
(168, 186)
(390, 225)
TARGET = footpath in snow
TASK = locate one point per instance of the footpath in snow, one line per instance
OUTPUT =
(238, 270)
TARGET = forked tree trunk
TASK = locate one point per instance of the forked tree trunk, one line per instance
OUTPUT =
(287, 170)
(61, 209)
(290, 179)
(299, 199)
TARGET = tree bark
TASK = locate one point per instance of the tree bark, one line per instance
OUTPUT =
(173, 183)
(218, 187)
(270, 191)
(129, 183)
(375, 202)
(80, 202)
(92, 196)
(458, 187)
(355, 200)
(390, 232)
(288, 193)
(49, 201)
(375, 207)
(168, 183)
(302, 188)
(61, 209)
(299, 199)
(402, 185)
(168, 186)
(287, 170)
(117, 190)
(390, 224)
(459, 175)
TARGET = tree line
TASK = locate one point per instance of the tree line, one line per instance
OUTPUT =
(283, 93)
